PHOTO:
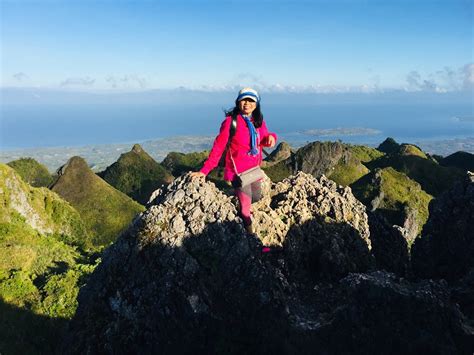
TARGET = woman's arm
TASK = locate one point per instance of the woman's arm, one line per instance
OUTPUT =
(266, 141)
(220, 143)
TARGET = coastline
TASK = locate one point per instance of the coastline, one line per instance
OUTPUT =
(99, 156)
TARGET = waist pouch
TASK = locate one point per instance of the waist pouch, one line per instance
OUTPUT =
(251, 175)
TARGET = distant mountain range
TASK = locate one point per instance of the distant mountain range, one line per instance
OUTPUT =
(101, 156)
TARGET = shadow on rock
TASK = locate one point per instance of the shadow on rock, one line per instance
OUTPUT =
(446, 246)
(184, 278)
(211, 294)
(389, 246)
(319, 251)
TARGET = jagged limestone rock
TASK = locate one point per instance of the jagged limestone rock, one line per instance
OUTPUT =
(446, 246)
(389, 245)
(185, 278)
(379, 313)
(302, 197)
(280, 153)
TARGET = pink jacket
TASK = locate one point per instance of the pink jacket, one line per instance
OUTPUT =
(239, 148)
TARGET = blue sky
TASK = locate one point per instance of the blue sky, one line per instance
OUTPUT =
(323, 46)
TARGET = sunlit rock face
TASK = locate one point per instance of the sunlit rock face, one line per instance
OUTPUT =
(185, 278)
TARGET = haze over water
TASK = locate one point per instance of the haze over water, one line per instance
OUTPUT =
(27, 126)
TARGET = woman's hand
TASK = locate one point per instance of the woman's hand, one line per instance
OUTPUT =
(196, 175)
(270, 141)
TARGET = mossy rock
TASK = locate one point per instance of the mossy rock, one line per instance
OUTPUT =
(364, 154)
(340, 162)
(136, 174)
(410, 149)
(105, 210)
(32, 172)
(433, 178)
(392, 194)
(347, 171)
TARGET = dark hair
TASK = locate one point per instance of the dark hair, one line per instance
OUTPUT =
(256, 114)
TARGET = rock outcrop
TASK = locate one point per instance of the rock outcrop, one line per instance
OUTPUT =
(185, 278)
(335, 160)
(398, 198)
(389, 146)
(446, 247)
(280, 153)
(319, 158)
(460, 160)
(389, 245)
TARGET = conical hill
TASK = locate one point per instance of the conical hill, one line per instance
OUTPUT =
(136, 174)
(32, 172)
(104, 209)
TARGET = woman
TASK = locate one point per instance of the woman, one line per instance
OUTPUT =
(245, 149)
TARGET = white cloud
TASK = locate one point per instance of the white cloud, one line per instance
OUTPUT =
(127, 81)
(444, 80)
(282, 88)
(20, 76)
(86, 81)
(468, 76)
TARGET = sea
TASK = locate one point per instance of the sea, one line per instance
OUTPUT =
(45, 125)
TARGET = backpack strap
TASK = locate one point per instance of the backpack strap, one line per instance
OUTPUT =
(232, 129)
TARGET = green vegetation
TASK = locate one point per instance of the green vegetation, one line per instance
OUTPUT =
(394, 194)
(412, 161)
(179, 163)
(32, 172)
(42, 265)
(40, 278)
(432, 177)
(347, 171)
(363, 153)
(410, 149)
(279, 171)
(45, 209)
(105, 211)
(136, 174)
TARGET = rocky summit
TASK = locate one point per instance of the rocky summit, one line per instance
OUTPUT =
(185, 278)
